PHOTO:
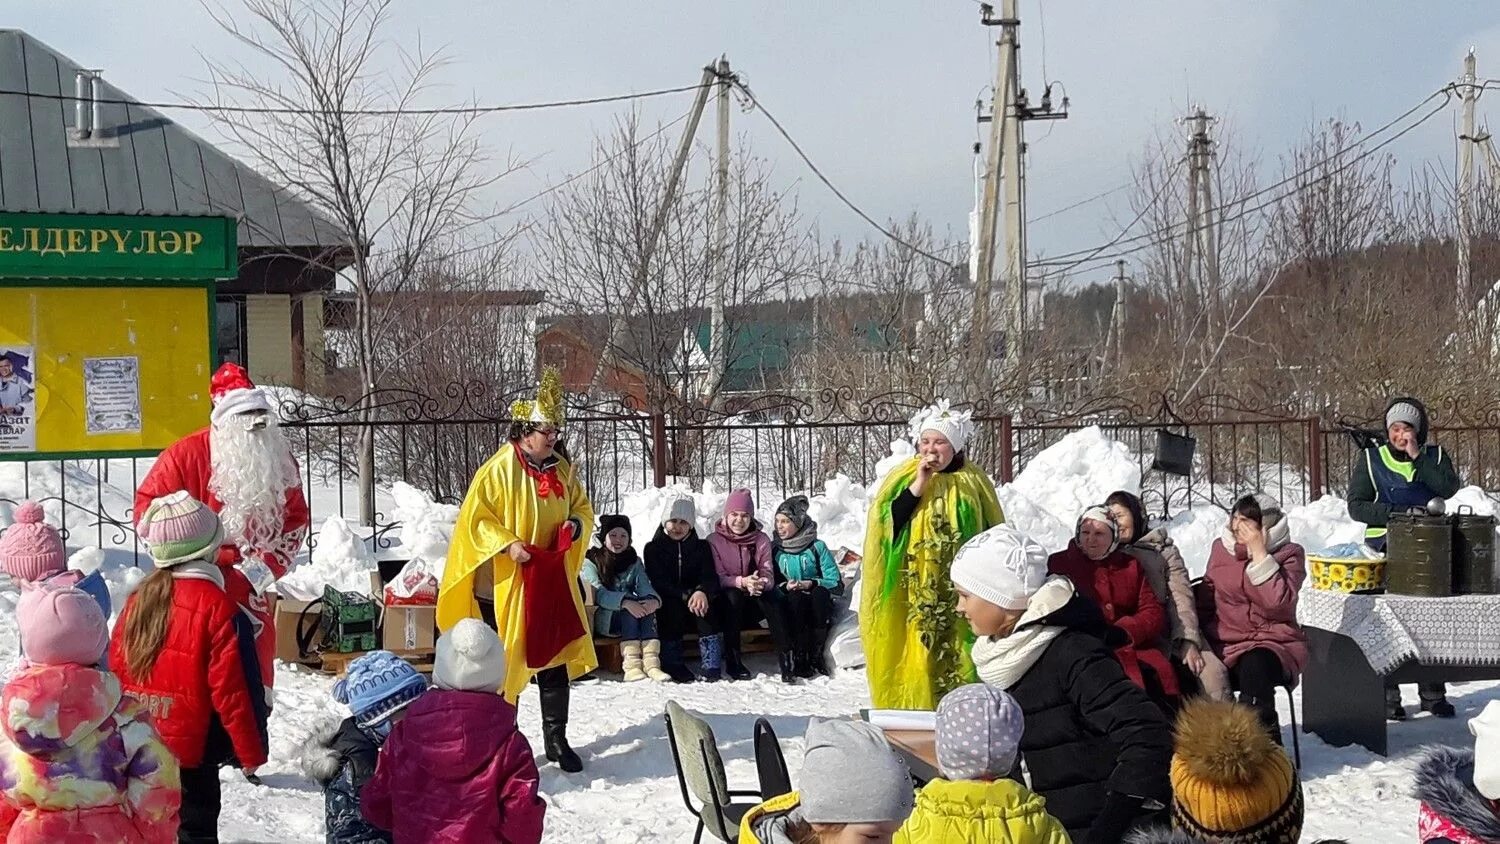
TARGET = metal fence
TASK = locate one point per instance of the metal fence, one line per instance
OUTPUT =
(772, 444)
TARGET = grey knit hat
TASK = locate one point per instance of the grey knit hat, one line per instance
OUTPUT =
(978, 733)
(1404, 411)
(795, 509)
(681, 509)
(850, 774)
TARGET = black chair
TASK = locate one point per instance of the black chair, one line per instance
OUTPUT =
(700, 773)
(770, 764)
(1291, 703)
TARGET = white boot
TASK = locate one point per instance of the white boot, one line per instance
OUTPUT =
(630, 653)
(651, 658)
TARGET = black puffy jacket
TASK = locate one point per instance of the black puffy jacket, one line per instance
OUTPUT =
(342, 760)
(680, 568)
(1089, 730)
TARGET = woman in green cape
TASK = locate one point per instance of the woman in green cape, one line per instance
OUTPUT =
(916, 648)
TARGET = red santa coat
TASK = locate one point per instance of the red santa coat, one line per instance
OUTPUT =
(187, 465)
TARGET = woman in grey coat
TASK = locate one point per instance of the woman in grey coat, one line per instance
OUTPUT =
(1169, 579)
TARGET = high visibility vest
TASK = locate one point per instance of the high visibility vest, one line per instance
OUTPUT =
(1395, 483)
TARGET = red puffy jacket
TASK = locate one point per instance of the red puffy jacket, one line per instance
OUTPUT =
(1120, 588)
(187, 465)
(456, 770)
(203, 692)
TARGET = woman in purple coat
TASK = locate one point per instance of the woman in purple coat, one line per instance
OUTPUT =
(1248, 604)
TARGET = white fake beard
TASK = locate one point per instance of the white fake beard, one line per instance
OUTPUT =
(252, 470)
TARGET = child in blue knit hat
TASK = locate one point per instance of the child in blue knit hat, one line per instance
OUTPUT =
(377, 689)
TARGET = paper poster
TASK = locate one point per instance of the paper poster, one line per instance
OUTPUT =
(17, 398)
(112, 395)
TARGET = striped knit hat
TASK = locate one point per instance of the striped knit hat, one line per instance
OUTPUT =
(178, 528)
(1230, 783)
(378, 685)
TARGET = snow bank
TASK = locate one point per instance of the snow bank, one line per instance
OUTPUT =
(1079, 470)
(426, 526)
(1194, 532)
(1324, 524)
(341, 560)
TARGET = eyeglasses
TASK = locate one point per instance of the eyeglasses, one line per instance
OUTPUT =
(550, 433)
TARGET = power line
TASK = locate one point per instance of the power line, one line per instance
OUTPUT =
(371, 112)
(830, 185)
(1098, 196)
(1165, 183)
(1067, 262)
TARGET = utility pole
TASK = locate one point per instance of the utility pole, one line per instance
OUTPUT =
(1200, 243)
(718, 353)
(1009, 112)
(658, 222)
(1466, 143)
(1117, 323)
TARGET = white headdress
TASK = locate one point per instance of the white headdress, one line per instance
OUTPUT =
(956, 425)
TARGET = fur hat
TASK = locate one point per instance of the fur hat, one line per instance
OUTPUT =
(233, 394)
(609, 523)
(1002, 565)
(469, 658)
(1486, 729)
(377, 686)
(1230, 782)
(61, 625)
(31, 549)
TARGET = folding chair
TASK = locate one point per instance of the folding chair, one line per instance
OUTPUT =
(700, 774)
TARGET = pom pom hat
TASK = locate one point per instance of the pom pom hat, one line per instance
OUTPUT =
(31, 549)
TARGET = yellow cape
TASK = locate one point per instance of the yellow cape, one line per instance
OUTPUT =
(502, 507)
(916, 645)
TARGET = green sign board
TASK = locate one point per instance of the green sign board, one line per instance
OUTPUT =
(117, 246)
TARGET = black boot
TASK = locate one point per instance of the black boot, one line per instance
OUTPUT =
(788, 670)
(819, 663)
(673, 663)
(554, 697)
(734, 666)
(1394, 711)
(802, 665)
(1440, 708)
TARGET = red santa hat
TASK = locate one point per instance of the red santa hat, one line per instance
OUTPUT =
(233, 394)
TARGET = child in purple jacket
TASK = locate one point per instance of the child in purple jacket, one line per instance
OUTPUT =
(456, 769)
(742, 557)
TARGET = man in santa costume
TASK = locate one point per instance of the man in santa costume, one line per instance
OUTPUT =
(243, 469)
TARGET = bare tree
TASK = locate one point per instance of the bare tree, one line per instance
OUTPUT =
(337, 127)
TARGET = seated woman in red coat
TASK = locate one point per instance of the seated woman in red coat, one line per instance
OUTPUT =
(1113, 579)
(1247, 604)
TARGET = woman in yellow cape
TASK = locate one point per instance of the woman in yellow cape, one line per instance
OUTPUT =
(916, 648)
(514, 562)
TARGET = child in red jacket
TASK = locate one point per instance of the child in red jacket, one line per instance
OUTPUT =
(456, 769)
(187, 653)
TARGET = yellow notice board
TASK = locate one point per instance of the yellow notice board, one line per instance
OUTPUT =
(88, 371)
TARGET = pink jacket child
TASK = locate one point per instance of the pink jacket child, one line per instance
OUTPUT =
(456, 770)
(739, 555)
(1247, 604)
(79, 760)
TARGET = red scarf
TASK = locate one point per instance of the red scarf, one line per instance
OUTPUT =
(548, 483)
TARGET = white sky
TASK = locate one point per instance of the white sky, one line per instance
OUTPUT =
(880, 93)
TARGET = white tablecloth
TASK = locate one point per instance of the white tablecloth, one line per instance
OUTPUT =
(1391, 629)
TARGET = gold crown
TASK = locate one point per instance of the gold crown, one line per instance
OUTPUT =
(548, 407)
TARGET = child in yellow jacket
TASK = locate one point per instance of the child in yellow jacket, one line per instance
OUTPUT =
(978, 739)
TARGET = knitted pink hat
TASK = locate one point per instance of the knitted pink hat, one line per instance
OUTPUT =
(178, 528)
(61, 626)
(31, 549)
(739, 501)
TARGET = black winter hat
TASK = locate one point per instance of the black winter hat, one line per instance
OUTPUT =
(795, 509)
(609, 523)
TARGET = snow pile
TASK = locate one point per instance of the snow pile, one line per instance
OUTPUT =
(840, 513)
(1323, 524)
(341, 560)
(1194, 532)
(901, 451)
(1079, 470)
(426, 526)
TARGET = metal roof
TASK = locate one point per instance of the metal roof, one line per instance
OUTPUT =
(158, 167)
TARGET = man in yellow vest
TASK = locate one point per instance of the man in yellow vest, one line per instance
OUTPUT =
(1405, 472)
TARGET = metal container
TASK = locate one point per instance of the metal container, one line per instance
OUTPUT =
(1473, 553)
(1419, 555)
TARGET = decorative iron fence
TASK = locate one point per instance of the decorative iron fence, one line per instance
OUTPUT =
(772, 444)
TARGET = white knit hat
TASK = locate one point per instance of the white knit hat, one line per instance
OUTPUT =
(1002, 565)
(1486, 730)
(469, 658)
(955, 425)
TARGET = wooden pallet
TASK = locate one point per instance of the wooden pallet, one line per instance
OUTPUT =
(336, 664)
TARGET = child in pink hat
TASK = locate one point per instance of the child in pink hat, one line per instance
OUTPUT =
(79, 759)
(31, 549)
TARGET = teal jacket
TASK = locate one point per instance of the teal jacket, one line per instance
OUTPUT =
(814, 563)
(631, 584)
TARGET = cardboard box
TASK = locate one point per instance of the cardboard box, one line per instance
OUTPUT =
(288, 614)
(404, 628)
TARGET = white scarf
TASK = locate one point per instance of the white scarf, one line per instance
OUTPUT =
(1002, 662)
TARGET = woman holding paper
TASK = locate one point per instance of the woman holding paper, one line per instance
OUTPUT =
(916, 646)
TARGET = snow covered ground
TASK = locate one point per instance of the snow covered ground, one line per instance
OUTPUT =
(628, 791)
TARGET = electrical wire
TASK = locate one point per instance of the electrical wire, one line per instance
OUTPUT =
(759, 106)
(1165, 183)
(372, 112)
(1067, 260)
(1066, 208)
